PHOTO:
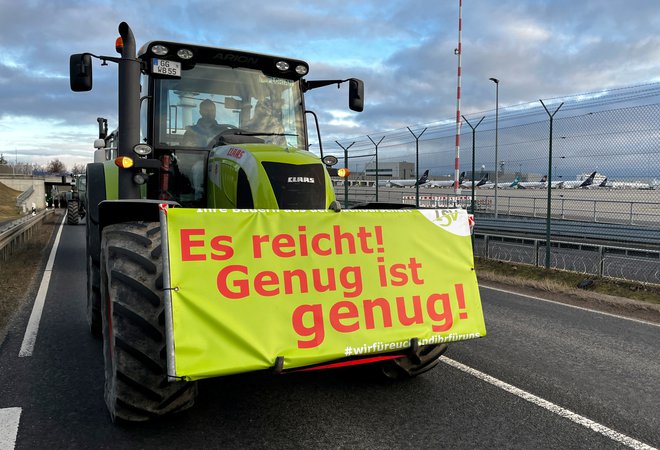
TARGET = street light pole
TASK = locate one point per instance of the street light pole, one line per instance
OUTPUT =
(497, 126)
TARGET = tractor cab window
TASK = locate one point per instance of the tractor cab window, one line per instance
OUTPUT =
(209, 101)
(188, 183)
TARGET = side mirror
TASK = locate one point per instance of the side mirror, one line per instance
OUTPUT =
(80, 72)
(356, 95)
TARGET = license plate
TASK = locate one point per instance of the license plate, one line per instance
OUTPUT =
(165, 67)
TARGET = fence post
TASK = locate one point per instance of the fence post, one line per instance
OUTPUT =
(377, 169)
(346, 165)
(548, 219)
(595, 218)
(474, 139)
(416, 164)
(631, 213)
(536, 252)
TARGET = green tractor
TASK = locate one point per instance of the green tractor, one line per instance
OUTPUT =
(76, 207)
(199, 127)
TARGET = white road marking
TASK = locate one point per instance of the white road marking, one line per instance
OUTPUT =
(9, 418)
(555, 409)
(30, 337)
(571, 306)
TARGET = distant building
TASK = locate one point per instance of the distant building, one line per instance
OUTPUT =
(399, 170)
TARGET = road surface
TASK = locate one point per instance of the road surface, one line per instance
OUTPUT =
(546, 376)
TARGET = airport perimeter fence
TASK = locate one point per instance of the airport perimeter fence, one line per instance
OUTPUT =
(622, 147)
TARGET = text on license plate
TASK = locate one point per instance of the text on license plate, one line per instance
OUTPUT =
(165, 67)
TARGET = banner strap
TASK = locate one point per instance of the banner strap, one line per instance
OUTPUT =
(414, 351)
(279, 365)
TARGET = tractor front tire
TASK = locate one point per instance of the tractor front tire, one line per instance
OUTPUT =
(72, 216)
(424, 359)
(136, 379)
(93, 309)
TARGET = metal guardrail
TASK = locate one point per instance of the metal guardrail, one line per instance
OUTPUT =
(14, 234)
(609, 261)
(628, 236)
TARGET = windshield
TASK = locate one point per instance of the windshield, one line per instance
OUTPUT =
(208, 100)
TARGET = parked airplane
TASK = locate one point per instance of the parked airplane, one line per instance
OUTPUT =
(603, 184)
(542, 183)
(468, 184)
(513, 185)
(631, 185)
(445, 183)
(407, 183)
(577, 183)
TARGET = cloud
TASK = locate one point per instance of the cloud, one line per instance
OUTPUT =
(404, 51)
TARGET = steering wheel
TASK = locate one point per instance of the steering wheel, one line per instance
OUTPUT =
(224, 129)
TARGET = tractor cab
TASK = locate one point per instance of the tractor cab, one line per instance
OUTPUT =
(199, 126)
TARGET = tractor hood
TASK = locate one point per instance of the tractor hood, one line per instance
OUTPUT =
(267, 176)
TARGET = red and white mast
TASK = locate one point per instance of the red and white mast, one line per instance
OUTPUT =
(458, 51)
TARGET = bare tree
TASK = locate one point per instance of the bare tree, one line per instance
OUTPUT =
(78, 169)
(56, 166)
(2, 159)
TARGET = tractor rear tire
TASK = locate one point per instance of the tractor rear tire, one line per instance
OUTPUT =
(136, 379)
(72, 216)
(425, 358)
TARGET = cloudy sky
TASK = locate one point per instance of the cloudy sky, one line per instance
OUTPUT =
(403, 50)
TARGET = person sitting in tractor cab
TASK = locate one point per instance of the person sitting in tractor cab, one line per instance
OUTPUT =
(266, 118)
(206, 128)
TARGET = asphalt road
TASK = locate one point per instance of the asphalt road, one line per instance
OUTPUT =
(604, 369)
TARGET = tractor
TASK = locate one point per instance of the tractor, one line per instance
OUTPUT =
(76, 207)
(198, 127)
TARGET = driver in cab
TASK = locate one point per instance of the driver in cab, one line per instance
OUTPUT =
(206, 128)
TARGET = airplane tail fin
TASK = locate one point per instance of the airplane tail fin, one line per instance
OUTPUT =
(424, 178)
(483, 181)
(603, 183)
(589, 181)
(515, 182)
(544, 178)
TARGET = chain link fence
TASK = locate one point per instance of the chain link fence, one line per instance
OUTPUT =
(605, 165)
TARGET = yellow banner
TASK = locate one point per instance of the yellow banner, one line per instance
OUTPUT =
(248, 286)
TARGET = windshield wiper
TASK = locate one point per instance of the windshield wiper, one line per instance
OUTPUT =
(263, 133)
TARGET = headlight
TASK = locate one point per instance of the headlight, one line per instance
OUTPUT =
(282, 65)
(184, 53)
(330, 160)
(159, 50)
(142, 149)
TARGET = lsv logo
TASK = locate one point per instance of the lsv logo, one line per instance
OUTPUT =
(453, 220)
